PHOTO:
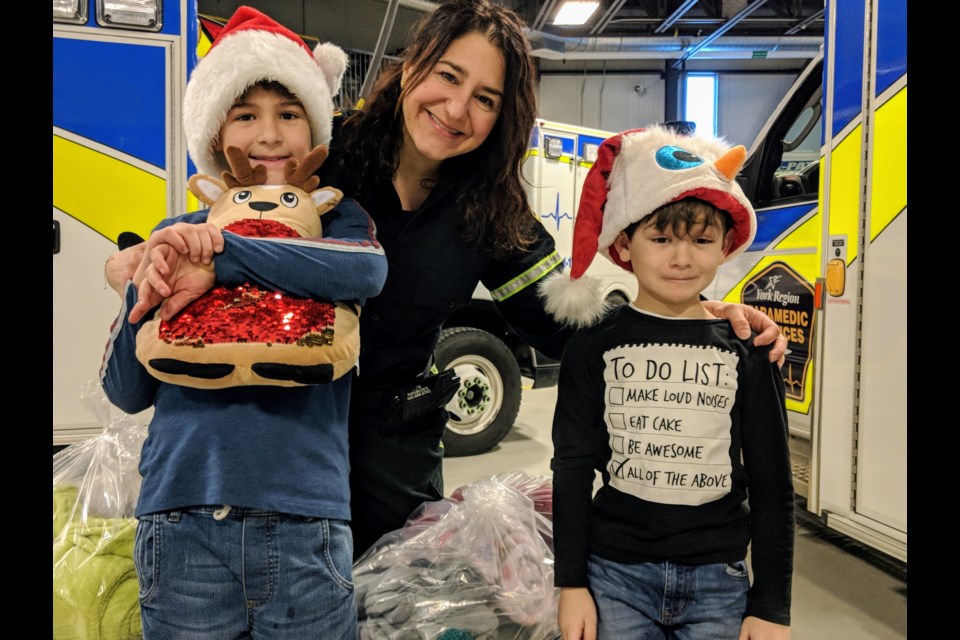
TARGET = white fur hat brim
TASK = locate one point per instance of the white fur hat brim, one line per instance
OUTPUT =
(243, 58)
(574, 302)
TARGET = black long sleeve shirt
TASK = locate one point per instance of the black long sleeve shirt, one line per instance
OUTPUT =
(687, 426)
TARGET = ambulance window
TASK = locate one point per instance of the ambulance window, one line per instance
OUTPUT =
(799, 170)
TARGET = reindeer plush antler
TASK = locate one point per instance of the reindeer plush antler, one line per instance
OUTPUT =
(297, 174)
(245, 335)
(243, 173)
(302, 175)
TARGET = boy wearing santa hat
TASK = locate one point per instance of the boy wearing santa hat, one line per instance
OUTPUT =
(245, 498)
(685, 422)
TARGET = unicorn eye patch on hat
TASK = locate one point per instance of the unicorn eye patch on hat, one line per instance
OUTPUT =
(637, 172)
(250, 48)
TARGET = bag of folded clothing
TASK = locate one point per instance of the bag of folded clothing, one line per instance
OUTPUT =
(476, 566)
(95, 489)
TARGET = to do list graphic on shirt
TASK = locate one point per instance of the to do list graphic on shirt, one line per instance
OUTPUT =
(668, 416)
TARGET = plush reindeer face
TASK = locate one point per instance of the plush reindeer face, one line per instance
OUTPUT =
(248, 335)
(243, 204)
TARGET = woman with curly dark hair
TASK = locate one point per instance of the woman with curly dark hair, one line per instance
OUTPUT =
(434, 156)
(480, 165)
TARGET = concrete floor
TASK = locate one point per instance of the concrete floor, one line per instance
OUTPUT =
(840, 591)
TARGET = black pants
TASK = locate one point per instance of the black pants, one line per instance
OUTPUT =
(393, 469)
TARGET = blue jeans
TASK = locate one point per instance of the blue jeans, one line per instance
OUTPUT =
(668, 600)
(252, 574)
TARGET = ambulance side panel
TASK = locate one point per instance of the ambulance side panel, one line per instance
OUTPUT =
(829, 265)
(118, 165)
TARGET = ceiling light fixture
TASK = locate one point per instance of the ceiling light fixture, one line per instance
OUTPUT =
(575, 13)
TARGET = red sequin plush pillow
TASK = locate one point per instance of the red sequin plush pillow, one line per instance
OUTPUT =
(247, 335)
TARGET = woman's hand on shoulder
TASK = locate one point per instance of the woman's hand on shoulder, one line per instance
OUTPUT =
(743, 318)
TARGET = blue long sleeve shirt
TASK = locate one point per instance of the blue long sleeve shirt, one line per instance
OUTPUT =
(274, 448)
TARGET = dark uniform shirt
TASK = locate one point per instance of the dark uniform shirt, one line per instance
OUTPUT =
(396, 465)
(432, 271)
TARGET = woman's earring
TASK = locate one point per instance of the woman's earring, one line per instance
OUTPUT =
(403, 81)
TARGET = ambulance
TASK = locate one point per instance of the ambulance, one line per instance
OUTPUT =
(828, 177)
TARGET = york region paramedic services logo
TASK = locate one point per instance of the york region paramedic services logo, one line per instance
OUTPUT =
(787, 299)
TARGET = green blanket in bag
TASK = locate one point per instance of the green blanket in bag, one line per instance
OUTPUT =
(95, 589)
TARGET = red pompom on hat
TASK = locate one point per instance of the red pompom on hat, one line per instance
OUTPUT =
(636, 173)
(252, 47)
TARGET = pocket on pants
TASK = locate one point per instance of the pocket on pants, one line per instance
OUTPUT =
(338, 551)
(737, 570)
(146, 551)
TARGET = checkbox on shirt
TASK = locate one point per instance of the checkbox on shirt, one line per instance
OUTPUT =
(616, 444)
(617, 421)
(615, 395)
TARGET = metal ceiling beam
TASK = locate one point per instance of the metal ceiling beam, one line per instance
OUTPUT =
(552, 47)
(676, 15)
(806, 23)
(388, 20)
(608, 15)
(750, 8)
(545, 10)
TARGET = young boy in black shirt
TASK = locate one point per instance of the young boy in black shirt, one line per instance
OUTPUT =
(685, 422)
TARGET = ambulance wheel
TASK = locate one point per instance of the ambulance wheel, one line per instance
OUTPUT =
(484, 408)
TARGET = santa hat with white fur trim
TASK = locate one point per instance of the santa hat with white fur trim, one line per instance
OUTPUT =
(252, 47)
(636, 173)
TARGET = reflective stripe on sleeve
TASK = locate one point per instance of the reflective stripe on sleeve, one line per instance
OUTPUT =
(527, 278)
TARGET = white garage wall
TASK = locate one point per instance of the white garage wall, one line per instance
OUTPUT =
(612, 103)
(608, 102)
